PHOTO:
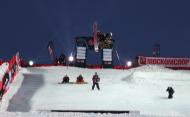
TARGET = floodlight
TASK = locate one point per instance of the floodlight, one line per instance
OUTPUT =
(129, 63)
(31, 63)
(71, 58)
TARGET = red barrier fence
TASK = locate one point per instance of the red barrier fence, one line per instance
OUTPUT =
(88, 66)
(1, 61)
(174, 63)
(3, 68)
(11, 72)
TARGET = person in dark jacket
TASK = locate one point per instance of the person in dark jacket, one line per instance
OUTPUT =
(62, 60)
(170, 91)
(5, 82)
(95, 80)
(65, 79)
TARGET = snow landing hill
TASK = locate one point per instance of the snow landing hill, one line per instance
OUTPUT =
(35, 91)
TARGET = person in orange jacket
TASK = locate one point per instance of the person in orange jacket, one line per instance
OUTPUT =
(80, 79)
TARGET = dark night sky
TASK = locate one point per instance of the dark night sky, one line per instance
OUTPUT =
(27, 26)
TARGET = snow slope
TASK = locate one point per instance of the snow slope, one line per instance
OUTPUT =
(36, 90)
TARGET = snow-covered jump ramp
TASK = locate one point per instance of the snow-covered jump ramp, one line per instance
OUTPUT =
(36, 92)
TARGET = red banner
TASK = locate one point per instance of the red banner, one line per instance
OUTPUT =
(1, 61)
(167, 62)
(10, 74)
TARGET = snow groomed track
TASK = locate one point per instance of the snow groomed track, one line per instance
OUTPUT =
(143, 89)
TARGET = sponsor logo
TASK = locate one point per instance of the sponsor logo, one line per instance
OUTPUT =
(164, 61)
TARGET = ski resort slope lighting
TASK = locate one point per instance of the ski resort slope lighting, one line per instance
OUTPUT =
(129, 63)
(31, 63)
(71, 58)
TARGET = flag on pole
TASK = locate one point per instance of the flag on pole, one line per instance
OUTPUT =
(50, 48)
(51, 52)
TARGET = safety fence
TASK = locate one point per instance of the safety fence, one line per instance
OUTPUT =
(87, 66)
(173, 63)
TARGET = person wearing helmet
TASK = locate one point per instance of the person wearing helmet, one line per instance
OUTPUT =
(95, 80)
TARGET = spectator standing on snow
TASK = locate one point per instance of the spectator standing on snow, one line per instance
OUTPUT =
(170, 91)
(95, 81)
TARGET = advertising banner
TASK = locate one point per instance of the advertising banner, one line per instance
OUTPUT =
(167, 62)
(10, 74)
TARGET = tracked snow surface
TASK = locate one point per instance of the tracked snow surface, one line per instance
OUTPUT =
(35, 92)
